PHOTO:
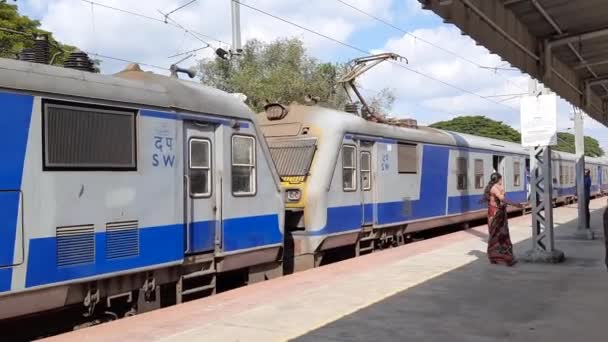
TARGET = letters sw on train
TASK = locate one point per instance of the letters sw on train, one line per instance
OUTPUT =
(138, 190)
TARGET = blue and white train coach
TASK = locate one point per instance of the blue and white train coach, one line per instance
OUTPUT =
(128, 188)
(352, 182)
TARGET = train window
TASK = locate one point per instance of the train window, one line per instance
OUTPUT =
(594, 171)
(479, 178)
(243, 165)
(366, 163)
(561, 174)
(407, 158)
(200, 167)
(516, 173)
(572, 174)
(349, 168)
(78, 137)
(461, 173)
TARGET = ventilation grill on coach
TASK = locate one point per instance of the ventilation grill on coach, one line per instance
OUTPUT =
(82, 137)
(75, 245)
(122, 239)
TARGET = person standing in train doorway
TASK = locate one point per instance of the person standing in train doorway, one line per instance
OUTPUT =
(500, 248)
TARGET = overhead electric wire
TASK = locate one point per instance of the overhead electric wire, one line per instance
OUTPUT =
(367, 52)
(124, 11)
(180, 7)
(187, 52)
(397, 97)
(93, 53)
(125, 60)
(188, 32)
(389, 24)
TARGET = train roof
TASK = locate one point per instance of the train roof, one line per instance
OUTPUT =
(350, 123)
(131, 86)
(347, 122)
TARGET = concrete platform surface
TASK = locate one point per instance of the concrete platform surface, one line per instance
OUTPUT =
(441, 289)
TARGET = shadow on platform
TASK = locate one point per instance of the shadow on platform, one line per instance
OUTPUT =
(483, 302)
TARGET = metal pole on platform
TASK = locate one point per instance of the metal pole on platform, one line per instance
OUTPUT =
(541, 188)
(579, 141)
(235, 7)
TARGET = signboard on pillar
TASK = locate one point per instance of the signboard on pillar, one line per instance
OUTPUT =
(539, 120)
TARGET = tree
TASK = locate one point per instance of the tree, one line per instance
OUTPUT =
(382, 102)
(481, 126)
(11, 43)
(565, 143)
(484, 127)
(280, 71)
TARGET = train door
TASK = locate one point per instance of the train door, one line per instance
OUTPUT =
(366, 176)
(498, 164)
(528, 179)
(201, 190)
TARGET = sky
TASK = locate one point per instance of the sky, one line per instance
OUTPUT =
(437, 54)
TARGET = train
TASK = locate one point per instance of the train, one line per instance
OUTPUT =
(123, 193)
(353, 182)
(116, 188)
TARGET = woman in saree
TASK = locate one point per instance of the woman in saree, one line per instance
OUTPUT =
(500, 248)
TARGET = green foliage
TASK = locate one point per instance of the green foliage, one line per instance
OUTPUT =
(12, 43)
(480, 126)
(280, 71)
(484, 127)
(382, 102)
(565, 143)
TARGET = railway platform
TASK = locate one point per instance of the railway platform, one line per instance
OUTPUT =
(441, 289)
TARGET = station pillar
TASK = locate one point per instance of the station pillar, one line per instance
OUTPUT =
(579, 141)
(541, 190)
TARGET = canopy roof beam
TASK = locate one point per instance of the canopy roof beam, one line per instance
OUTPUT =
(575, 38)
(507, 29)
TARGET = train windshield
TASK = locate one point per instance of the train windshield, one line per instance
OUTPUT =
(293, 157)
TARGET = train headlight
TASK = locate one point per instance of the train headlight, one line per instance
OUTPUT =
(275, 111)
(293, 195)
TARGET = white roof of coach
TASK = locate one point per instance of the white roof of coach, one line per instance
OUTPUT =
(129, 87)
(347, 122)
(328, 118)
(477, 142)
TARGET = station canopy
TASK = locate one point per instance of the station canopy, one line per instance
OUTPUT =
(561, 43)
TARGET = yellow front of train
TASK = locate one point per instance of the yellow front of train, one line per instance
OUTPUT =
(293, 143)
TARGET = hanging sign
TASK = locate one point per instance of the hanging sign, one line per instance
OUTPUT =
(539, 120)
